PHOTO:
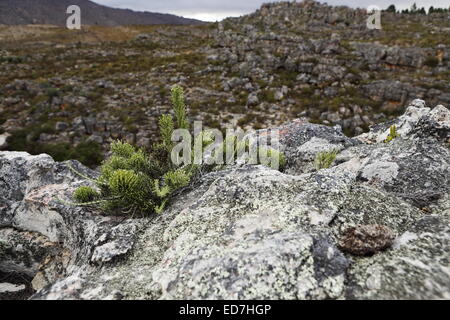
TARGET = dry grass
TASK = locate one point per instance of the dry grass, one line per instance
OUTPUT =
(29, 34)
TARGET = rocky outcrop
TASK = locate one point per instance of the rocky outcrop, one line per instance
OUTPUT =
(250, 232)
(332, 56)
(39, 235)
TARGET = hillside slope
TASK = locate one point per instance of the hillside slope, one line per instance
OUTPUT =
(19, 12)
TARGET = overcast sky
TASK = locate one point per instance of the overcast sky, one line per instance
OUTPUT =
(212, 10)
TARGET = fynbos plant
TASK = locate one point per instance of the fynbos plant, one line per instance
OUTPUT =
(392, 134)
(133, 182)
(325, 159)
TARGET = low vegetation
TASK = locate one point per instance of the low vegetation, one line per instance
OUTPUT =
(325, 159)
(392, 134)
(89, 153)
(133, 181)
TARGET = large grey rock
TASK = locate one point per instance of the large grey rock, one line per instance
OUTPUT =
(250, 232)
(276, 265)
(39, 235)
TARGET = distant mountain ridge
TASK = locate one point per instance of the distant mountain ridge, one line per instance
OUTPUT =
(20, 12)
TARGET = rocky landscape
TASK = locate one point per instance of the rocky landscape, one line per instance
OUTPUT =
(69, 93)
(375, 225)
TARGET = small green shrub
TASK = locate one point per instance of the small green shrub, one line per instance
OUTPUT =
(325, 159)
(87, 152)
(268, 96)
(52, 92)
(85, 194)
(166, 127)
(179, 108)
(392, 134)
(135, 182)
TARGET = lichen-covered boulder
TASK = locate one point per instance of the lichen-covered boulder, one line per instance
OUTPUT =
(42, 237)
(251, 232)
(274, 265)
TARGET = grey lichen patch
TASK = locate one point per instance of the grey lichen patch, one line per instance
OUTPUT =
(276, 266)
(317, 199)
(231, 196)
(4, 248)
(383, 170)
(115, 242)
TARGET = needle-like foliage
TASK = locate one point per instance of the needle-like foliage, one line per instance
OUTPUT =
(325, 159)
(392, 134)
(135, 182)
